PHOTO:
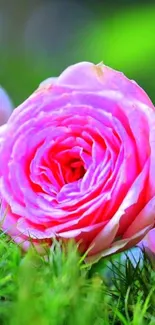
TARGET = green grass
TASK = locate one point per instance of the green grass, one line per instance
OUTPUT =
(60, 289)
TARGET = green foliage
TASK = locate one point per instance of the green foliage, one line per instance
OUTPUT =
(60, 289)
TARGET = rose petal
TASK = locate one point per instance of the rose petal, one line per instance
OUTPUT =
(118, 246)
(47, 82)
(126, 210)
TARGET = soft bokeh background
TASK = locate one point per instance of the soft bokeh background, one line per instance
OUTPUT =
(39, 38)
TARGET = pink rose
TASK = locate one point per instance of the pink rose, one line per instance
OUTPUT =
(77, 160)
(149, 241)
(6, 106)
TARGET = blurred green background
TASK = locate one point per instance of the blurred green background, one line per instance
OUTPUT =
(39, 38)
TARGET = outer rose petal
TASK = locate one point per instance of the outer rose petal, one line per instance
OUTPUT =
(6, 106)
(119, 246)
(47, 82)
(145, 218)
(3, 129)
(100, 78)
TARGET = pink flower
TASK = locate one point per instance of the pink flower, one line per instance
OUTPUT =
(77, 160)
(149, 241)
(6, 106)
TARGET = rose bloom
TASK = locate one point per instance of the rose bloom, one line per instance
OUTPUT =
(77, 161)
(6, 106)
(148, 243)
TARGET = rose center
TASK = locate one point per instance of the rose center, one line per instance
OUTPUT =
(73, 170)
